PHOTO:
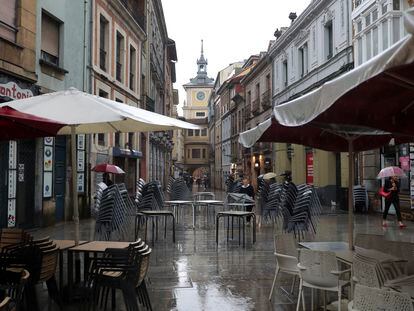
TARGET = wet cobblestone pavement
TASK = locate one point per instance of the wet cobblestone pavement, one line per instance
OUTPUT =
(196, 274)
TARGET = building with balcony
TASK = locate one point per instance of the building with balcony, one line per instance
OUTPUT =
(195, 110)
(258, 87)
(316, 48)
(118, 35)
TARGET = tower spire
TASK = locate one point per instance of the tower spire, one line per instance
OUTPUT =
(202, 48)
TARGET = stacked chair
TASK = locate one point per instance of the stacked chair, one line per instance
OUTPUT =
(360, 198)
(151, 206)
(300, 209)
(122, 269)
(270, 201)
(98, 198)
(372, 299)
(24, 263)
(178, 190)
(115, 214)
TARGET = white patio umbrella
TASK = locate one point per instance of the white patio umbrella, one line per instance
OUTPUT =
(86, 114)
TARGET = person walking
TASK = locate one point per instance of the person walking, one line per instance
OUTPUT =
(392, 185)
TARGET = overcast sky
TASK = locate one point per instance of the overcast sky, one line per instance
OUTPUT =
(232, 30)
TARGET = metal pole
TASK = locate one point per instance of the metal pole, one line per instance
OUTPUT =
(350, 194)
(74, 183)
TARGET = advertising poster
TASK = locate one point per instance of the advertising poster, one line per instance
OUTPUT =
(81, 160)
(81, 187)
(411, 164)
(48, 141)
(309, 168)
(81, 141)
(11, 213)
(47, 184)
(48, 159)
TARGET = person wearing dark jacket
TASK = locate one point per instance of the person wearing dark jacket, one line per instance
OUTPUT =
(392, 185)
(248, 189)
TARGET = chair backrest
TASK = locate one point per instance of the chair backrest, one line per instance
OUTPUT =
(366, 272)
(144, 266)
(286, 244)
(48, 263)
(372, 299)
(319, 265)
(11, 236)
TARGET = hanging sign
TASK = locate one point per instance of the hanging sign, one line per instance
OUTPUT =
(309, 168)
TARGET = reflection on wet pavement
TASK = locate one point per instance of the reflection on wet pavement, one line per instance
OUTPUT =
(195, 274)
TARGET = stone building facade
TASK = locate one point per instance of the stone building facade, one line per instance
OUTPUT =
(315, 48)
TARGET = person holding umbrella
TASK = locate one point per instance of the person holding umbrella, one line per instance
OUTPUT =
(392, 186)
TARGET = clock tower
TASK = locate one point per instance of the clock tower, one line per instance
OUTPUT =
(195, 110)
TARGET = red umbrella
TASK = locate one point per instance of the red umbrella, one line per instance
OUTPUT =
(19, 125)
(108, 168)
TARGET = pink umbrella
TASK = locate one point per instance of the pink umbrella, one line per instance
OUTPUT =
(108, 168)
(391, 171)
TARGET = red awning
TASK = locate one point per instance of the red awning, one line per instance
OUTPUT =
(18, 125)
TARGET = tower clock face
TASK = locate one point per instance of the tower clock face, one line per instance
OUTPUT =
(200, 95)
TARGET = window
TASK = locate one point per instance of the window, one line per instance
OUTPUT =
(117, 140)
(195, 153)
(384, 35)
(367, 20)
(103, 42)
(285, 73)
(395, 29)
(303, 60)
(50, 40)
(258, 92)
(196, 132)
(359, 26)
(101, 137)
(374, 15)
(204, 132)
(132, 67)
(8, 27)
(396, 5)
(200, 114)
(131, 140)
(190, 132)
(368, 45)
(119, 56)
(328, 40)
(374, 41)
(204, 153)
(360, 55)
(384, 8)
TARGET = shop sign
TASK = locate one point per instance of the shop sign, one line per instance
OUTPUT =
(13, 91)
(309, 168)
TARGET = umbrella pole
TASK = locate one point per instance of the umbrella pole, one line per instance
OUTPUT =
(350, 194)
(74, 183)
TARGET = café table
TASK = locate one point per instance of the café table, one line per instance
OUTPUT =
(206, 203)
(94, 247)
(177, 204)
(63, 246)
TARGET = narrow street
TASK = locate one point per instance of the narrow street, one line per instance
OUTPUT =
(194, 274)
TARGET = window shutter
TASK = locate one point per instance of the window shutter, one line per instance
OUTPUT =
(50, 35)
(8, 19)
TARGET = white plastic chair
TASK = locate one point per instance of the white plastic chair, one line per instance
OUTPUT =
(373, 299)
(319, 270)
(286, 253)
